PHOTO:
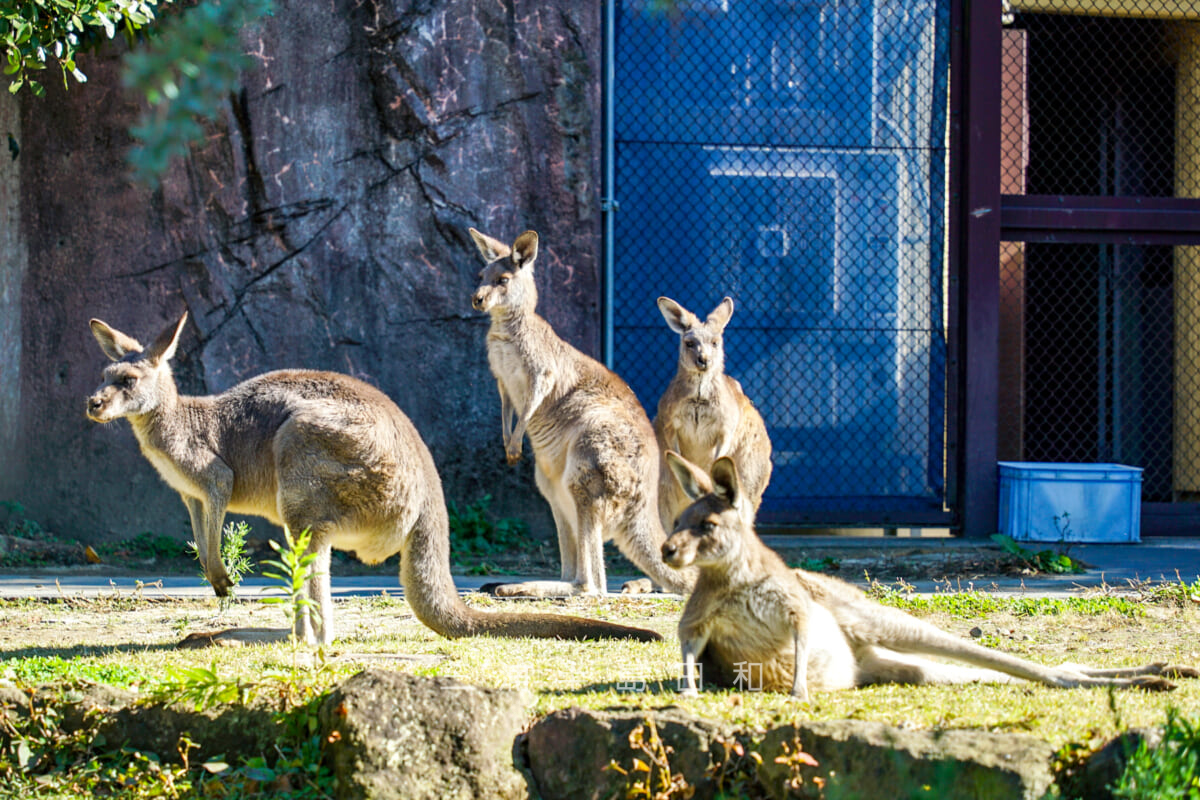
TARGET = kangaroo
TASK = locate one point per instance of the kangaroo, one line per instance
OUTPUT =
(806, 631)
(704, 414)
(594, 449)
(308, 450)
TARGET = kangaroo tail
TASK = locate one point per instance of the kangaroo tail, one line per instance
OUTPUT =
(429, 589)
(642, 544)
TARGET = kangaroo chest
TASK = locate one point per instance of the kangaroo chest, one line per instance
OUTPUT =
(511, 368)
(705, 427)
(168, 469)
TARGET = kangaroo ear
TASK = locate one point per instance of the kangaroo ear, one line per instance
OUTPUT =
(164, 346)
(721, 314)
(725, 480)
(115, 344)
(491, 249)
(678, 318)
(692, 480)
(525, 249)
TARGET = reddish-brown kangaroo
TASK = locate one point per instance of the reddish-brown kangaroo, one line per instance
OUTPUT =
(314, 451)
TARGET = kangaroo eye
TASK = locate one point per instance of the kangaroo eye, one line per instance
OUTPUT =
(503, 280)
(128, 382)
(707, 528)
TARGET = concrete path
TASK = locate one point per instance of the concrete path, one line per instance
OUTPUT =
(1156, 559)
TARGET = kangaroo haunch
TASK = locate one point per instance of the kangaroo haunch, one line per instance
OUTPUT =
(309, 450)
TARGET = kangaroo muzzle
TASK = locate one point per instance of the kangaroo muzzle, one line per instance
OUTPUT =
(95, 408)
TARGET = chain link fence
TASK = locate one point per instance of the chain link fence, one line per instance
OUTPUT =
(1098, 362)
(792, 155)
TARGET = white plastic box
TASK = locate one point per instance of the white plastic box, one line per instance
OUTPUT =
(1092, 502)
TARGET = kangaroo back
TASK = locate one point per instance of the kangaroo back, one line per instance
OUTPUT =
(315, 451)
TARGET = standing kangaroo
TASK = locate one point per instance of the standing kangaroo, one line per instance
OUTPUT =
(704, 414)
(309, 450)
(596, 458)
(806, 631)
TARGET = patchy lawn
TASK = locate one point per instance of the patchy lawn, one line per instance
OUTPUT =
(130, 641)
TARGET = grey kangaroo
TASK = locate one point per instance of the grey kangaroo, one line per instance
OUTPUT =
(308, 450)
(704, 414)
(751, 617)
(595, 454)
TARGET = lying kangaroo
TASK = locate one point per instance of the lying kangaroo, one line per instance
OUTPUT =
(704, 414)
(596, 459)
(807, 631)
(309, 450)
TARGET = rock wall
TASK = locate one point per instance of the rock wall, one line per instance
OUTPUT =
(322, 224)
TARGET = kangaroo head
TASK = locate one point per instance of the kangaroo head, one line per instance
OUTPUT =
(701, 348)
(138, 379)
(507, 279)
(709, 531)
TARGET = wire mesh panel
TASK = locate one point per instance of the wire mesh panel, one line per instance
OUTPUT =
(791, 155)
(1101, 339)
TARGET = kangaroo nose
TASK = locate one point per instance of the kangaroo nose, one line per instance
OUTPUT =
(668, 550)
(702, 362)
(477, 301)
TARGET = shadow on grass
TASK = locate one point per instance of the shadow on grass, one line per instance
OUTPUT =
(82, 651)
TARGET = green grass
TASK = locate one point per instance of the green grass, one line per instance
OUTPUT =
(130, 643)
(1170, 771)
(966, 605)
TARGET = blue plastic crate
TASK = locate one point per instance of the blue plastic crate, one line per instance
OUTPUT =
(1092, 502)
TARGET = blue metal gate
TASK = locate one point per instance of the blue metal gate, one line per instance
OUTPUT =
(792, 155)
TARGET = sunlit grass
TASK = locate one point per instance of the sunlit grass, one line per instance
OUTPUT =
(130, 643)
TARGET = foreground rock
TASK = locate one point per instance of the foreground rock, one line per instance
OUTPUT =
(858, 759)
(394, 735)
(389, 734)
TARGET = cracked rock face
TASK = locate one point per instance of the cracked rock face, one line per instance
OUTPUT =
(322, 224)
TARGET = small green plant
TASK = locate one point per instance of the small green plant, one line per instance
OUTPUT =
(1170, 771)
(233, 554)
(293, 570)
(1055, 562)
(145, 545)
(826, 564)
(475, 533)
(15, 522)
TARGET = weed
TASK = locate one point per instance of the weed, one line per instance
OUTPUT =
(34, 670)
(475, 533)
(652, 778)
(827, 564)
(144, 546)
(233, 555)
(293, 570)
(1170, 771)
(1180, 593)
(1056, 562)
(795, 759)
(15, 522)
(972, 604)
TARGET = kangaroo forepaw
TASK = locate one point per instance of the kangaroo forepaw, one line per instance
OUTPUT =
(512, 454)
(638, 586)
(1179, 671)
